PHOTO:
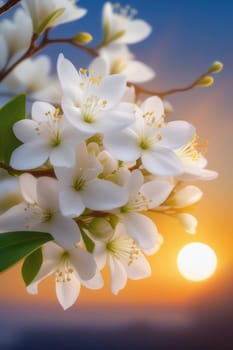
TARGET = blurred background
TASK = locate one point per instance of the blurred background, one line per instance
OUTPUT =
(164, 311)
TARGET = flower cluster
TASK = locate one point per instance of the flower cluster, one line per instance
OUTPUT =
(92, 164)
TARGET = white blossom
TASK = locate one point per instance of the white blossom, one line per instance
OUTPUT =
(81, 187)
(47, 136)
(71, 268)
(40, 10)
(151, 140)
(142, 197)
(16, 39)
(32, 76)
(194, 162)
(120, 26)
(119, 60)
(92, 103)
(40, 211)
(123, 257)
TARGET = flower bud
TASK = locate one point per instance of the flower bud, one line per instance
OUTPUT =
(100, 229)
(82, 38)
(188, 221)
(216, 67)
(205, 81)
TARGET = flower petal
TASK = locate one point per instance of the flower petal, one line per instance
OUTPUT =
(141, 228)
(25, 130)
(75, 117)
(62, 155)
(138, 72)
(162, 161)
(64, 230)
(83, 263)
(71, 203)
(28, 187)
(176, 134)
(30, 155)
(99, 67)
(137, 30)
(140, 268)
(103, 195)
(13, 219)
(95, 282)
(123, 145)
(68, 292)
(100, 254)
(47, 193)
(113, 120)
(153, 104)
(40, 111)
(47, 268)
(65, 175)
(135, 182)
(118, 275)
(111, 89)
(156, 192)
(69, 78)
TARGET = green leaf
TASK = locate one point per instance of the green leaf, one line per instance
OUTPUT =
(14, 246)
(10, 113)
(49, 21)
(31, 266)
(90, 245)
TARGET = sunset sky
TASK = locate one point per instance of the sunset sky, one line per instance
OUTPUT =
(187, 37)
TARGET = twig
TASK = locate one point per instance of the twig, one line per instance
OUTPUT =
(8, 5)
(140, 90)
(36, 172)
(33, 49)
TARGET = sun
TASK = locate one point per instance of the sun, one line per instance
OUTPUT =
(196, 261)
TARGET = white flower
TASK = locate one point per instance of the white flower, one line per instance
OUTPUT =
(151, 139)
(142, 197)
(92, 104)
(16, 38)
(71, 268)
(120, 26)
(125, 260)
(47, 136)
(32, 76)
(40, 10)
(194, 162)
(120, 60)
(81, 187)
(40, 212)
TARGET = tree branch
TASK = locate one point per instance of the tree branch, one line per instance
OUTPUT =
(8, 5)
(140, 90)
(35, 172)
(33, 49)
